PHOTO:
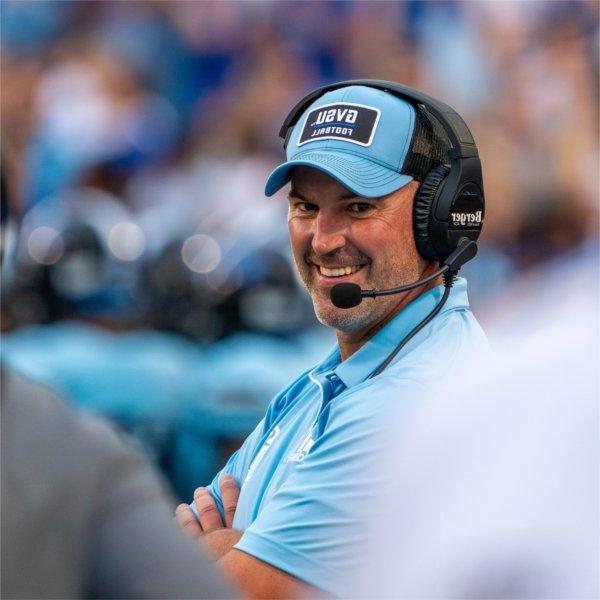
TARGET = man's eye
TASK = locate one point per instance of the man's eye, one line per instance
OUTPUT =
(306, 207)
(360, 207)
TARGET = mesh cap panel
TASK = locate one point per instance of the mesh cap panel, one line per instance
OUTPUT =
(429, 146)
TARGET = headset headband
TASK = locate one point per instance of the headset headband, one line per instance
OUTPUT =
(449, 206)
(463, 144)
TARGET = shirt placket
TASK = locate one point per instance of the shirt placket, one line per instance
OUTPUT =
(331, 385)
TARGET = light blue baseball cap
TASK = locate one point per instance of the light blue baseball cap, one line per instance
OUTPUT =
(358, 135)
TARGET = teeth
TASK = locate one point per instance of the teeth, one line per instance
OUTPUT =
(339, 271)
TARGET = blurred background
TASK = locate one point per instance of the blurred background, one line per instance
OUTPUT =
(152, 282)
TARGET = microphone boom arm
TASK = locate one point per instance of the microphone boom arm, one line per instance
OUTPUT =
(405, 288)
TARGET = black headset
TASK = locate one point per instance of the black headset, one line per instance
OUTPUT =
(449, 205)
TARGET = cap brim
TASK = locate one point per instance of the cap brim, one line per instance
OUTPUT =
(361, 176)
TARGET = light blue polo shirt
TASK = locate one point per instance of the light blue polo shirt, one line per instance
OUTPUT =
(307, 472)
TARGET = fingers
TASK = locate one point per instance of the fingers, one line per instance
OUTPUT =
(210, 517)
(187, 521)
(230, 492)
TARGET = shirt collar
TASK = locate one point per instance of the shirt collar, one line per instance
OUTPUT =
(364, 361)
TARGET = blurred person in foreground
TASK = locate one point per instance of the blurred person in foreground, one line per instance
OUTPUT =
(84, 515)
(297, 527)
(502, 465)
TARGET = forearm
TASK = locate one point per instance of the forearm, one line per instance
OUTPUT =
(257, 579)
(220, 541)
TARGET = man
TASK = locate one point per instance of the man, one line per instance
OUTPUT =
(297, 525)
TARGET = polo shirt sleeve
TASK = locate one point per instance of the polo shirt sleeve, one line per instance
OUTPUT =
(315, 525)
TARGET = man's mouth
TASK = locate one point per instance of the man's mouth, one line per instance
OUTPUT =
(339, 271)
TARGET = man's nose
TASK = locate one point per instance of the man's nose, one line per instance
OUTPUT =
(329, 235)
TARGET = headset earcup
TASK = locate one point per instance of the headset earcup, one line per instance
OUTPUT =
(422, 207)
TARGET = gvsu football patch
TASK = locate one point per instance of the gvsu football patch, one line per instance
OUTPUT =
(354, 123)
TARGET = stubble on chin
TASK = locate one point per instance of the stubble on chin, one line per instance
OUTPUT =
(327, 314)
(353, 320)
(345, 320)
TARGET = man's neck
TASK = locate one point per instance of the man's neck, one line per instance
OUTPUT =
(349, 343)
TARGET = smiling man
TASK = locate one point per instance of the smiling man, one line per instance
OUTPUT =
(287, 515)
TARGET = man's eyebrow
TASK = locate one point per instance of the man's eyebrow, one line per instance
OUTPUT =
(348, 196)
(296, 194)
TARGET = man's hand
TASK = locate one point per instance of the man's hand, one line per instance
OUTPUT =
(210, 517)
(255, 578)
(217, 537)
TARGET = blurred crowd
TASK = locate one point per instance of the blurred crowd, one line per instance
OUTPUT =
(152, 280)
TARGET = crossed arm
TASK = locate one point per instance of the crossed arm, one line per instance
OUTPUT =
(254, 577)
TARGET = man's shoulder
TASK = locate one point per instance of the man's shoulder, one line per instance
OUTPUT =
(298, 386)
(453, 339)
(290, 392)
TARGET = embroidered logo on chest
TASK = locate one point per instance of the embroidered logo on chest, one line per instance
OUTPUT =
(300, 454)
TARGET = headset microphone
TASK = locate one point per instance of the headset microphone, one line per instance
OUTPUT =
(349, 295)
(346, 295)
